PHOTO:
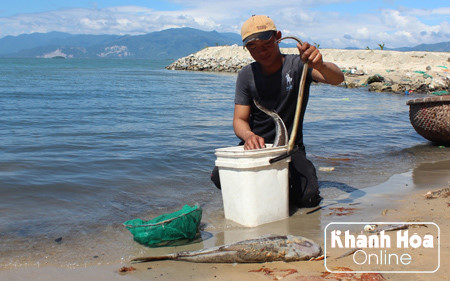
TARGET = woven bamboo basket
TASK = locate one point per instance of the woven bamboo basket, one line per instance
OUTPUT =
(430, 117)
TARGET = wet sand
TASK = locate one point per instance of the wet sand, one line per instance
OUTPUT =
(401, 198)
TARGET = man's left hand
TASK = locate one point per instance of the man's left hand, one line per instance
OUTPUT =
(311, 55)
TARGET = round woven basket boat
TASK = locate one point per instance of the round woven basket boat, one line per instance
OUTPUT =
(430, 117)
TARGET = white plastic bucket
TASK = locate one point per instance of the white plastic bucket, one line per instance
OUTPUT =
(254, 192)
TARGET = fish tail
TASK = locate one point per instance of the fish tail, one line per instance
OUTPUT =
(154, 258)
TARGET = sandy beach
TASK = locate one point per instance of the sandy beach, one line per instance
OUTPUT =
(419, 195)
(424, 198)
(378, 70)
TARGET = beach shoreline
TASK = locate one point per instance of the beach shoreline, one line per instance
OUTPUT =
(108, 248)
(370, 205)
(378, 70)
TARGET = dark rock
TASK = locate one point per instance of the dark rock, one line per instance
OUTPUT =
(375, 78)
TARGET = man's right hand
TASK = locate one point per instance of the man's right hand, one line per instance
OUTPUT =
(254, 142)
(242, 128)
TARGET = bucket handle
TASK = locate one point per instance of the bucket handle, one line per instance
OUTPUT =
(283, 156)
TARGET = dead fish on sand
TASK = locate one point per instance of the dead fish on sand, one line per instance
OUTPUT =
(264, 249)
(281, 134)
(390, 227)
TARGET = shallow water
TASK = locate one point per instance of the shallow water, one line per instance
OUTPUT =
(88, 144)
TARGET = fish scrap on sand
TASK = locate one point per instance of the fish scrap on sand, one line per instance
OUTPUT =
(264, 249)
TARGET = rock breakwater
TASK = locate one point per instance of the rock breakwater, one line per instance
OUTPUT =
(378, 70)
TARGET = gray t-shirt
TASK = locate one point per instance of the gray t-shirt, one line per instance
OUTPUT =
(277, 92)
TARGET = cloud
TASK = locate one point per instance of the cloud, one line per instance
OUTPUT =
(396, 27)
(114, 20)
(442, 11)
(405, 28)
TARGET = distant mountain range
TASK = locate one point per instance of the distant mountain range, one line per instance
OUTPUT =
(167, 44)
(438, 47)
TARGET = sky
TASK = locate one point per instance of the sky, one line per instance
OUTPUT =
(326, 23)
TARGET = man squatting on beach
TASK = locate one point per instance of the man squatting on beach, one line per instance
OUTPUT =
(273, 80)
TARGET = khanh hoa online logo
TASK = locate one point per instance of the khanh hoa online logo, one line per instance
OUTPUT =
(382, 247)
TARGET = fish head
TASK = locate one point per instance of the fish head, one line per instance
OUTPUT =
(304, 248)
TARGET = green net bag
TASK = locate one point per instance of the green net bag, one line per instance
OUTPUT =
(157, 232)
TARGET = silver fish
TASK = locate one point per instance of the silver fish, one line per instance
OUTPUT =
(264, 249)
(392, 227)
(281, 134)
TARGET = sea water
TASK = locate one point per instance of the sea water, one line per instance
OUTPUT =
(88, 144)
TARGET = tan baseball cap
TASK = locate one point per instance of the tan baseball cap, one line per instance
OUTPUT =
(257, 27)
